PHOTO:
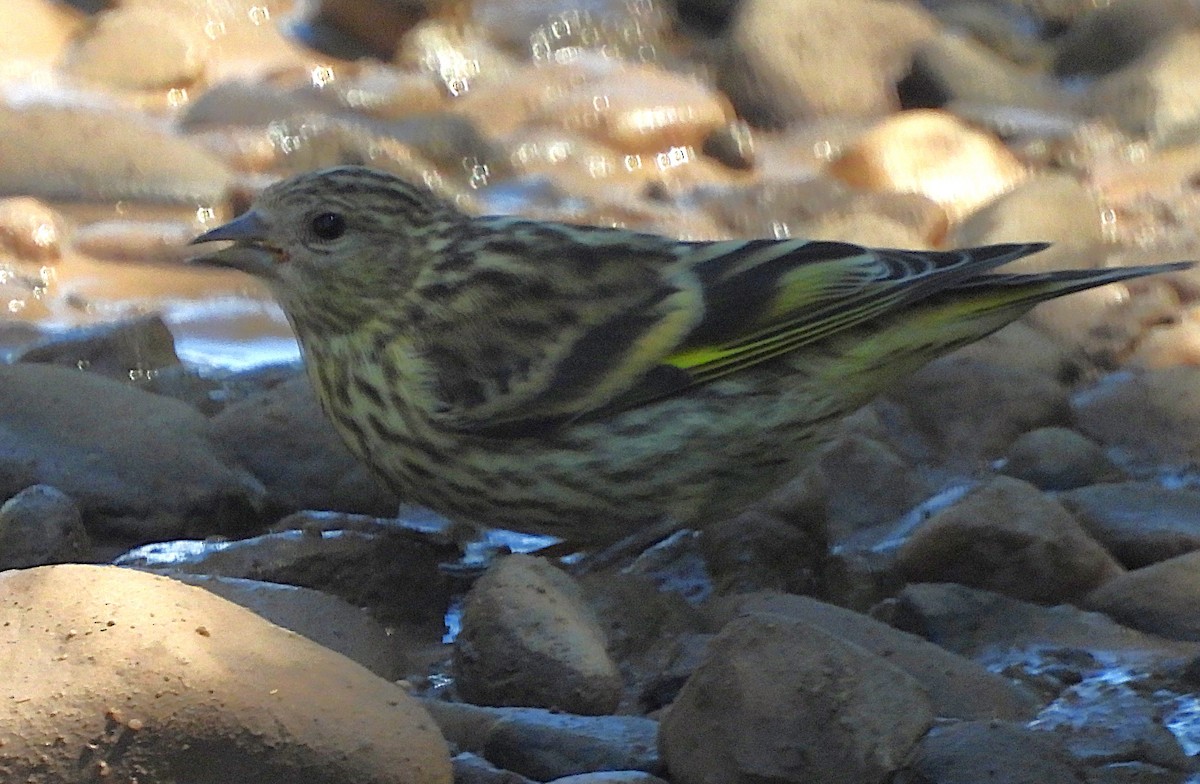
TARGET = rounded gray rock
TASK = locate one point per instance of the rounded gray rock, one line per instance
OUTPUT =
(528, 638)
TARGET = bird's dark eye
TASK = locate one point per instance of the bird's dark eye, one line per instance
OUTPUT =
(328, 225)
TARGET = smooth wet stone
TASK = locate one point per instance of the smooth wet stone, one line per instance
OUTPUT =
(1155, 96)
(462, 60)
(115, 674)
(544, 745)
(868, 485)
(998, 752)
(33, 35)
(1112, 35)
(958, 688)
(284, 439)
(40, 525)
(393, 571)
(1160, 598)
(80, 153)
(1054, 208)
(760, 551)
(988, 627)
(807, 207)
(1057, 458)
(1152, 415)
(141, 467)
(791, 60)
(125, 350)
(136, 240)
(1006, 536)
(30, 230)
(473, 769)
(639, 109)
(1139, 522)
(972, 405)
(550, 30)
(138, 48)
(779, 699)
(933, 153)
(378, 25)
(325, 619)
(528, 638)
(953, 67)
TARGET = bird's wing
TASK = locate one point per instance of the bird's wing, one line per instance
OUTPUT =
(683, 315)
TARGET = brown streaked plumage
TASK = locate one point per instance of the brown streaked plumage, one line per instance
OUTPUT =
(585, 382)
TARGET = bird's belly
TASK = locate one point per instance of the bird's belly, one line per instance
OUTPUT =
(694, 459)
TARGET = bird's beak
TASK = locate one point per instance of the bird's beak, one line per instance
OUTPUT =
(250, 251)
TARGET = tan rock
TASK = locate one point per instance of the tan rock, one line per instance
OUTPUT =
(790, 60)
(115, 673)
(639, 108)
(33, 34)
(138, 48)
(932, 153)
(30, 230)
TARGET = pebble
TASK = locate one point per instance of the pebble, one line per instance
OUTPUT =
(784, 61)
(953, 67)
(996, 629)
(124, 350)
(31, 230)
(957, 687)
(1111, 36)
(87, 436)
(33, 35)
(868, 485)
(1160, 598)
(88, 154)
(1138, 522)
(1152, 97)
(1005, 536)
(529, 639)
(639, 109)
(1057, 458)
(327, 620)
(140, 48)
(545, 745)
(551, 30)
(41, 525)
(972, 409)
(932, 153)
(320, 472)
(773, 690)
(1152, 415)
(392, 570)
(998, 751)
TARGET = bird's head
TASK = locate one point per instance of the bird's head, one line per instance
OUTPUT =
(335, 238)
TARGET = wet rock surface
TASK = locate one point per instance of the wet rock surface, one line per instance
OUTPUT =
(987, 575)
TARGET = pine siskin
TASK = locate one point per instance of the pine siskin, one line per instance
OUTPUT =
(588, 382)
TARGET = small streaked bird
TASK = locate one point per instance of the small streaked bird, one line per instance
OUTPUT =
(588, 383)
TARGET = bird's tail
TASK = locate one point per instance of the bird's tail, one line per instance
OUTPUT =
(1027, 290)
